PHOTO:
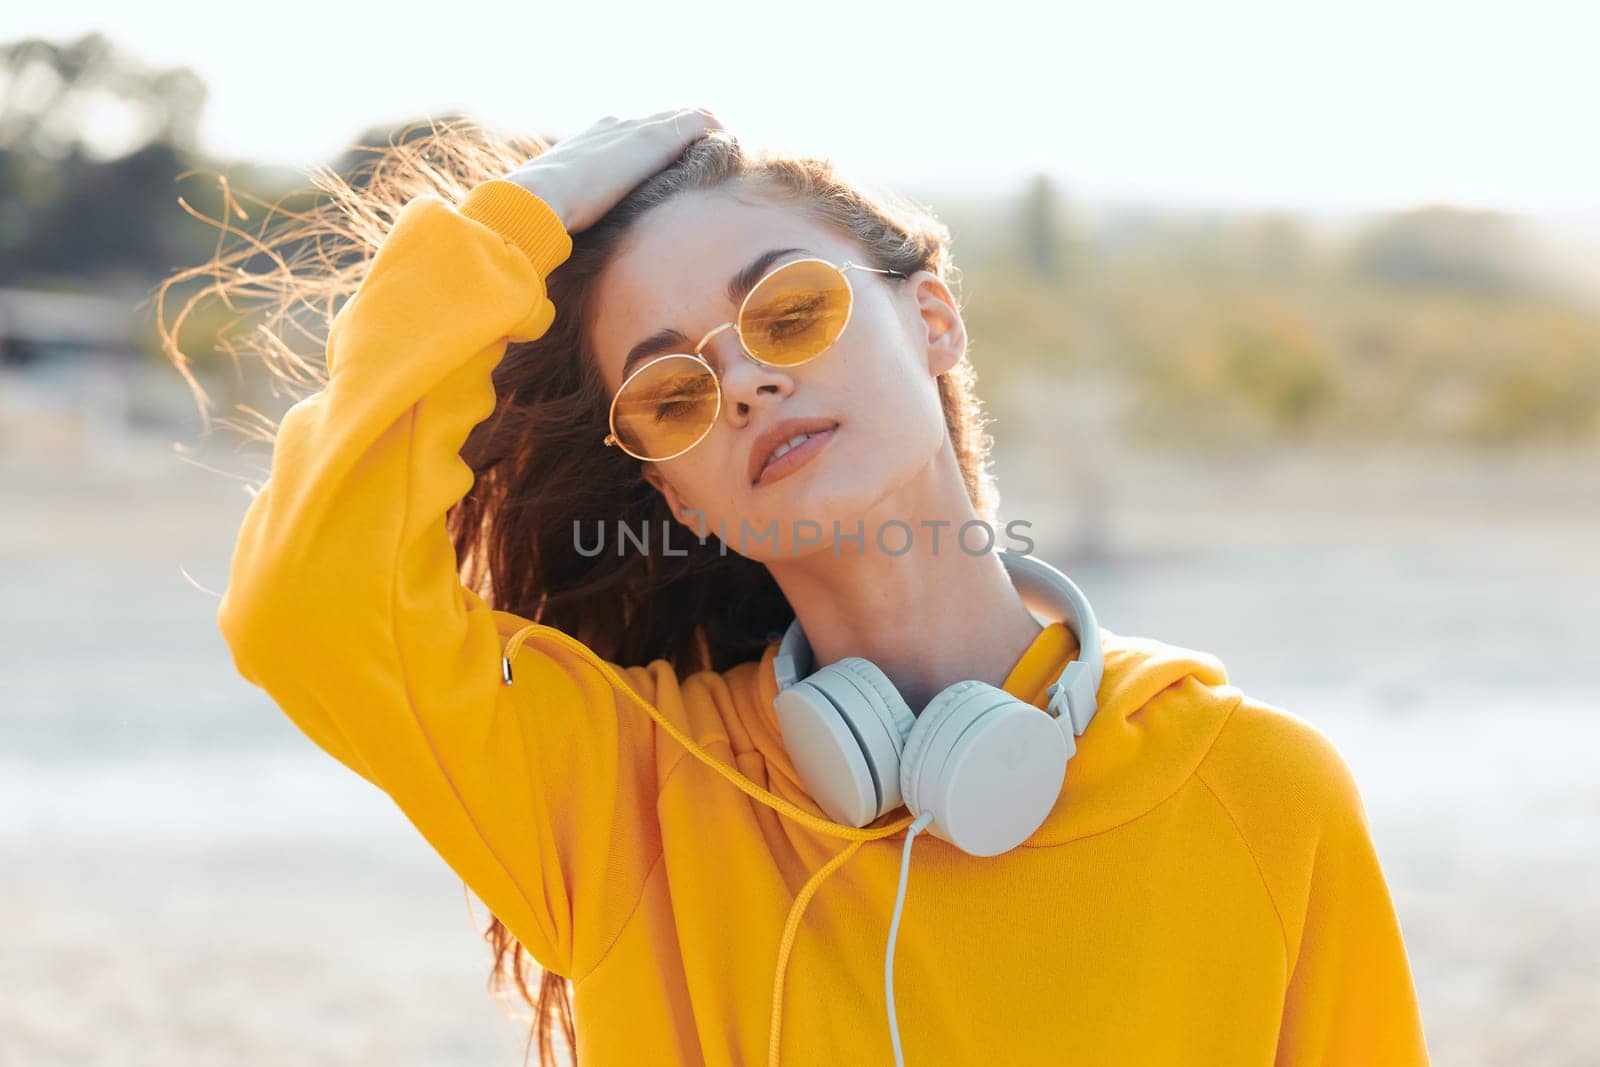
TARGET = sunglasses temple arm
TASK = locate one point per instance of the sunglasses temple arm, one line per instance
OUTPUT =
(875, 270)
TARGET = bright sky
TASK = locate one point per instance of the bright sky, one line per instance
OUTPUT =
(1342, 106)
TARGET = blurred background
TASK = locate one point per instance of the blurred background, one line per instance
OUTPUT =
(1288, 322)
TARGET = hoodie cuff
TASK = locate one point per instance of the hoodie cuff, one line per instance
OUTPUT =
(521, 217)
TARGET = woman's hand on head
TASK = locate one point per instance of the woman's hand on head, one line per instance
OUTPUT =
(584, 176)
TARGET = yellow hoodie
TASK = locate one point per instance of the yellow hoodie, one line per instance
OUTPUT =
(1205, 890)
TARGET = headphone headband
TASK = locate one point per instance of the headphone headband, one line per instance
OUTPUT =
(1046, 591)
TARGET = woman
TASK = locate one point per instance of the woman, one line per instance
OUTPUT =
(543, 353)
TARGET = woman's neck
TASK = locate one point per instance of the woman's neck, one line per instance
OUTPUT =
(928, 617)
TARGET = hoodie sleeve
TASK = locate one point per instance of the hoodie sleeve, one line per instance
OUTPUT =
(345, 605)
(1349, 997)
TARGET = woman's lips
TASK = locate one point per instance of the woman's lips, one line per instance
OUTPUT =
(796, 457)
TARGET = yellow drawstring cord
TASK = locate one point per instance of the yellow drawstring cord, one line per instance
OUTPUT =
(855, 835)
(791, 929)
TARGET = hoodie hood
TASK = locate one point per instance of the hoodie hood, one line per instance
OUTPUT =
(1158, 710)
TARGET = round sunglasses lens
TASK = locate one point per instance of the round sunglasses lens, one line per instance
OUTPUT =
(665, 407)
(795, 312)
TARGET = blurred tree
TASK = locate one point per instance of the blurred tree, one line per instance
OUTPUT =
(78, 203)
(1444, 247)
(1041, 228)
(56, 94)
(1274, 245)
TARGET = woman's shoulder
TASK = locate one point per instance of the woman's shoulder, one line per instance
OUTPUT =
(1291, 797)
(1270, 759)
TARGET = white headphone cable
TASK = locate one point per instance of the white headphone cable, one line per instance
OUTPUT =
(894, 928)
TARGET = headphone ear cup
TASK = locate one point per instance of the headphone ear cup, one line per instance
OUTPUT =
(843, 727)
(987, 765)
(913, 755)
(891, 712)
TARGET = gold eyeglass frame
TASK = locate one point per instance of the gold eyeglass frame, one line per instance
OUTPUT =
(612, 439)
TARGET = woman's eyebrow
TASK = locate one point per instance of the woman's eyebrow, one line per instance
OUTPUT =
(739, 286)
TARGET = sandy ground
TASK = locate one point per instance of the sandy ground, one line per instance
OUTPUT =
(188, 881)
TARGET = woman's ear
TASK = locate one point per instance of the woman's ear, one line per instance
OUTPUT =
(944, 333)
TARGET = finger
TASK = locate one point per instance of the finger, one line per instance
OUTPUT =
(691, 123)
(686, 125)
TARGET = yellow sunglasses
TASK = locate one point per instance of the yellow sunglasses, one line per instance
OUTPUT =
(791, 316)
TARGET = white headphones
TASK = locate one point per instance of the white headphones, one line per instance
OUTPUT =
(984, 765)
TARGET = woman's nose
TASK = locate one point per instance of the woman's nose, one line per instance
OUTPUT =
(746, 382)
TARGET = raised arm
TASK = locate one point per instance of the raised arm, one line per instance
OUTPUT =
(344, 601)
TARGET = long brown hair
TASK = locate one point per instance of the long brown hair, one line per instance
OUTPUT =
(535, 460)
